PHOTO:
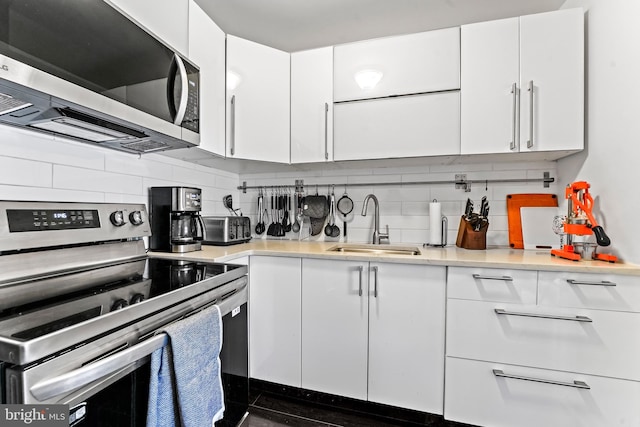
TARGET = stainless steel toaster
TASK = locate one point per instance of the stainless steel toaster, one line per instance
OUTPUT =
(226, 230)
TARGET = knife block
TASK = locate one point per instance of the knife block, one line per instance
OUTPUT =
(468, 238)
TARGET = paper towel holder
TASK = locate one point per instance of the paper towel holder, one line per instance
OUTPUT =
(443, 235)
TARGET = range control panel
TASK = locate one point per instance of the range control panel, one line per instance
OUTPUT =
(32, 225)
(51, 219)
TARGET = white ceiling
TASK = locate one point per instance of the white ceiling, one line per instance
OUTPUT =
(293, 25)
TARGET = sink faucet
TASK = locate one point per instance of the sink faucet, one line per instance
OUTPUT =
(377, 235)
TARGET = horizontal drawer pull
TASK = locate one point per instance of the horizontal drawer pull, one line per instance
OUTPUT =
(542, 316)
(504, 278)
(574, 384)
(581, 282)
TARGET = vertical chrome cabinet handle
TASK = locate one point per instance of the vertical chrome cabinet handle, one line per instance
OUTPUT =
(574, 384)
(514, 118)
(530, 141)
(375, 281)
(360, 271)
(503, 312)
(326, 131)
(581, 282)
(233, 125)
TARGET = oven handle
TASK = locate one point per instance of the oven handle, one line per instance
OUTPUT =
(80, 377)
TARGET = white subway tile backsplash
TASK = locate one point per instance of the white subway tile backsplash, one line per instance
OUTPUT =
(73, 178)
(25, 172)
(30, 145)
(13, 192)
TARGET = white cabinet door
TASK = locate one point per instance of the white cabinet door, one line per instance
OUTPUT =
(312, 105)
(489, 78)
(408, 126)
(544, 50)
(274, 319)
(406, 336)
(257, 101)
(414, 63)
(207, 51)
(475, 395)
(168, 20)
(334, 327)
(552, 63)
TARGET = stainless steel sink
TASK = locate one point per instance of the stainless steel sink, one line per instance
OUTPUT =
(375, 249)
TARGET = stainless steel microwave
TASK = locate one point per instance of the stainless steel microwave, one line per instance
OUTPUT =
(84, 70)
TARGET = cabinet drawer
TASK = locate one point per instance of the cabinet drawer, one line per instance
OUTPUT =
(475, 395)
(491, 284)
(597, 342)
(599, 291)
(408, 126)
(413, 63)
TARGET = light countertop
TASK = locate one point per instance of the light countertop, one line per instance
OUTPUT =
(450, 256)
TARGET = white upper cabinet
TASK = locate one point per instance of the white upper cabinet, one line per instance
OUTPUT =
(207, 51)
(552, 64)
(257, 101)
(405, 126)
(500, 62)
(400, 65)
(312, 105)
(168, 20)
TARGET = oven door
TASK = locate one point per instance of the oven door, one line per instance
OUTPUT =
(93, 378)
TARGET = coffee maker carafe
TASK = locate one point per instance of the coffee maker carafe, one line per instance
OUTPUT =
(176, 224)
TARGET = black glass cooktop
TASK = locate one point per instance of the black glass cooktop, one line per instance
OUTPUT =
(155, 277)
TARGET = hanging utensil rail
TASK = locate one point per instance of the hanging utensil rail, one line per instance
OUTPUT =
(460, 182)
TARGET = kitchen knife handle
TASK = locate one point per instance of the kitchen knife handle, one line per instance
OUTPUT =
(581, 282)
(514, 109)
(574, 384)
(326, 131)
(232, 132)
(530, 141)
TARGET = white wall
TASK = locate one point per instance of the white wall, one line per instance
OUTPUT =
(36, 166)
(611, 161)
(406, 208)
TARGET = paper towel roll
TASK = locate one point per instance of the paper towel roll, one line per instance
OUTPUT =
(435, 223)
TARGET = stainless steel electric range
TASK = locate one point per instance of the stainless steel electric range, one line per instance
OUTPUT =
(82, 307)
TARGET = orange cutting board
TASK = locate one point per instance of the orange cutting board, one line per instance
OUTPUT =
(517, 201)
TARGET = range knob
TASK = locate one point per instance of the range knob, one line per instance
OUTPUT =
(136, 218)
(117, 218)
(119, 304)
(136, 299)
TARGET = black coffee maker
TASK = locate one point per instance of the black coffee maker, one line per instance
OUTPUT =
(176, 224)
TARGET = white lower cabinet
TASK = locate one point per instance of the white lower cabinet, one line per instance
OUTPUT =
(565, 358)
(374, 331)
(274, 319)
(476, 395)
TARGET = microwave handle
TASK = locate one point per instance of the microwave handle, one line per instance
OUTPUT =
(78, 378)
(181, 109)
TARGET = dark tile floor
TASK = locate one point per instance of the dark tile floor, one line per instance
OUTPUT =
(269, 409)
